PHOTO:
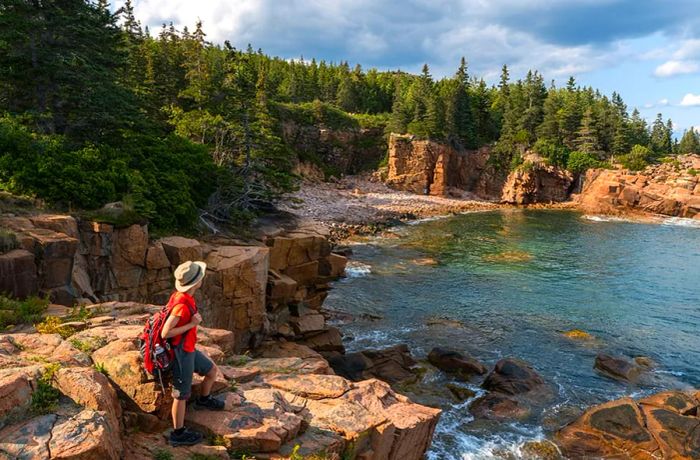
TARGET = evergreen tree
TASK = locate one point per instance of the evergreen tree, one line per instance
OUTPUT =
(690, 142)
(59, 62)
(660, 139)
(587, 136)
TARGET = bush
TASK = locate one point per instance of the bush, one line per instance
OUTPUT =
(580, 162)
(372, 120)
(315, 113)
(638, 158)
(53, 325)
(555, 153)
(28, 311)
(8, 241)
(693, 172)
(165, 179)
(45, 396)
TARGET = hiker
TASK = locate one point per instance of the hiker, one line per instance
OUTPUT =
(181, 329)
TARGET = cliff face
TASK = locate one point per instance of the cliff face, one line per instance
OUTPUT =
(671, 189)
(346, 151)
(428, 167)
(254, 291)
(537, 182)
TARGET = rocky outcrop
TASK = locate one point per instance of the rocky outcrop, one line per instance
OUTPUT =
(275, 287)
(665, 425)
(537, 182)
(514, 388)
(342, 151)
(455, 362)
(290, 399)
(617, 368)
(432, 168)
(301, 267)
(671, 189)
(392, 365)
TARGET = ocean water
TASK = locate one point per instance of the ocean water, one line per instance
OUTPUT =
(508, 283)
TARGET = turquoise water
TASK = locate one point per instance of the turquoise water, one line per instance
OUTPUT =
(508, 283)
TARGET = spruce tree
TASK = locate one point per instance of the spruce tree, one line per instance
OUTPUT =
(690, 142)
(587, 136)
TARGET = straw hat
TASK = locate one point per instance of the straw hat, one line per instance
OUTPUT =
(188, 274)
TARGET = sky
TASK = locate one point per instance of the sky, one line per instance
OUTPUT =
(646, 50)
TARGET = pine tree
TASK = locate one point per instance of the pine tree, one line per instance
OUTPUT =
(660, 139)
(587, 136)
(67, 79)
(690, 142)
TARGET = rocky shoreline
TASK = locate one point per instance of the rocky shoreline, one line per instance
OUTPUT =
(301, 390)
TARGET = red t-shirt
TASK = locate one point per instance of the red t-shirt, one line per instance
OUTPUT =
(181, 299)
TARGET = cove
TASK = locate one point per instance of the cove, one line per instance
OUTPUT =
(508, 283)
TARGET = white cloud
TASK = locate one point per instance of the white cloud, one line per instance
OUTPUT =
(381, 33)
(691, 100)
(672, 68)
(663, 102)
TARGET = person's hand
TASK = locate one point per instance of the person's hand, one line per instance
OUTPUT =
(196, 319)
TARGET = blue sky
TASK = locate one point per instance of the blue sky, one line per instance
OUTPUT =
(647, 50)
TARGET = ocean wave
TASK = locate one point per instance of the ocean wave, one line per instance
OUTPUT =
(681, 222)
(427, 219)
(355, 269)
(598, 218)
(470, 447)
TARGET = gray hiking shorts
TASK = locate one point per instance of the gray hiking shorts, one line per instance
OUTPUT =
(184, 367)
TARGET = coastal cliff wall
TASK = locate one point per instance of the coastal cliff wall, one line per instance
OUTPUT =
(337, 151)
(273, 288)
(537, 182)
(671, 189)
(432, 168)
(428, 167)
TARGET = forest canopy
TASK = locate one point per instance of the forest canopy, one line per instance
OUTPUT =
(94, 108)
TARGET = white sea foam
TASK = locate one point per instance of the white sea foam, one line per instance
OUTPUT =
(356, 269)
(427, 219)
(682, 222)
(597, 218)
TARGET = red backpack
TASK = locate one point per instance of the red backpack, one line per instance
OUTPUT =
(156, 352)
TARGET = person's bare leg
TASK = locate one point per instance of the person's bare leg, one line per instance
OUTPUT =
(178, 412)
(209, 380)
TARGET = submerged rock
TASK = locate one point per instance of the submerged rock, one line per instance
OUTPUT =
(617, 368)
(455, 362)
(497, 406)
(514, 377)
(577, 334)
(391, 365)
(459, 392)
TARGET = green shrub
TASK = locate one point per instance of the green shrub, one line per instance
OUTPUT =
(638, 158)
(372, 120)
(14, 312)
(45, 397)
(316, 113)
(53, 325)
(555, 154)
(100, 367)
(693, 172)
(580, 162)
(8, 241)
(165, 179)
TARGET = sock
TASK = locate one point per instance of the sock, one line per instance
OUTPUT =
(179, 431)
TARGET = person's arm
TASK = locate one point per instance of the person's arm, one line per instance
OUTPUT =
(169, 329)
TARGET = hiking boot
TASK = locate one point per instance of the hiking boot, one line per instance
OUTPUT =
(185, 438)
(208, 402)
